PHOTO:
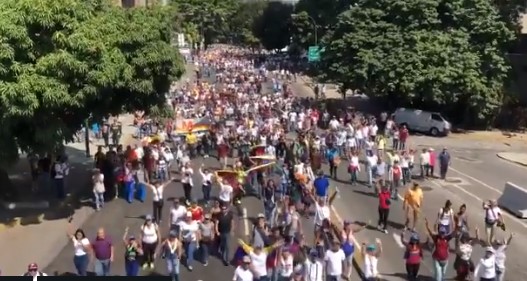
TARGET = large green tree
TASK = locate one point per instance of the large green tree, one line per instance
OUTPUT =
(62, 62)
(273, 27)
(437, 54)
(242, 23)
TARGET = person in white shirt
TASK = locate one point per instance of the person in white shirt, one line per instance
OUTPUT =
(285, 265)
(226, 191)
(335, 259)
(486, 267)
(424, 159)
(501, 248)
(157, 199)
(370, 256)
(81, 246)
(150, 239)
(493, 218)
(178, 213)
(187, 182)
(60, 171)
(322, 212)
(206, 183)
(243, 272)
(32, 270)
(98, 188)
(354, 167)
(313, 267)
(371, 162)
(334, 123)
(190, 236)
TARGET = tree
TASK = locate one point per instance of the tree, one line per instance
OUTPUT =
(210, 16)
(62, 62)
(272, 28)
(434, 54)
(241, 24)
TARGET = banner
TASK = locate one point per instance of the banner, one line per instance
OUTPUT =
(195, 125)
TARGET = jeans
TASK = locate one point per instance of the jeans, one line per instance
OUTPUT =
(190, 248)
(173, 268)
(131, 268)
(407, 177)
(353, 176)
(81, 264)
(206, 192)
(59, 186)
(102, 267)
(205, 247)
(332, 278)
(394, 187)
(440, 270)
(99, 200)
(224, 246)
(162, 174)
(129, 191)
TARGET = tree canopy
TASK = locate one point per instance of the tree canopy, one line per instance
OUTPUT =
(436, 54)
(273, 27)
(62, 62)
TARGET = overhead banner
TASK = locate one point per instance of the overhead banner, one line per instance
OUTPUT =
(194, 125)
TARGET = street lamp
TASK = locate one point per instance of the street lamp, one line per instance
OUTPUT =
(314, 26)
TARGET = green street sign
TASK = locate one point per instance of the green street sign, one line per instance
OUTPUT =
(313, 54)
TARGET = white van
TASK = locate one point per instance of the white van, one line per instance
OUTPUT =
(422, 121)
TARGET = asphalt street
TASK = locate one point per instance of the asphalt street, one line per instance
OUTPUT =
(476, 174)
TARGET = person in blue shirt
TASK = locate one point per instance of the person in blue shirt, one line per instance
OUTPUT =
(321, 185)
(331, 155)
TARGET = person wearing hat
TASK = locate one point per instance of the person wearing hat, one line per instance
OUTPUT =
(171, 252)
(32, 270)
(370, 255)
(150, 239)
(190, 236)
(243, 272)
(259, 254)
(131, 254)
(313, 267)
(413, 255)
(441, 252)
(486, 267)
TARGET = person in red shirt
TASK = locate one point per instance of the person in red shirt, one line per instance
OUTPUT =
(413, 255)
(196, 211)
(384, 196)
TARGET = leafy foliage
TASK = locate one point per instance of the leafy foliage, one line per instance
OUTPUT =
(243, 22)
(436, 54)
(272, 28)
(64, 61)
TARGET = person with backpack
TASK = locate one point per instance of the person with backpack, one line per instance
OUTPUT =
(440, 255)
(413, 255)
(32, 270)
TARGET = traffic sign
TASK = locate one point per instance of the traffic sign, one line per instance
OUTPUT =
(313, 54)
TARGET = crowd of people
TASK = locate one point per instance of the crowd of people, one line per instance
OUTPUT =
(275, 146)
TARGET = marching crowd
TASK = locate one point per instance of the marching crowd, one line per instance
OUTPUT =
(274, 145)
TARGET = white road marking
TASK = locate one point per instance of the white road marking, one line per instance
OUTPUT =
(476, 180)
(245, 222)
(397, 239)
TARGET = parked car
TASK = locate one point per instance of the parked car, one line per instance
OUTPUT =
(432, 123)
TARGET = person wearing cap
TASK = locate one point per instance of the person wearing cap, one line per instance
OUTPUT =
(32, 270)
(371, 252)
(190, 236)
(313, 267)
(259, 254)
(132, 251)
(150, 239)
(486, 267)
(206, 228)
(171, 250)
(441, 253)
(243, 271)
(413, 255)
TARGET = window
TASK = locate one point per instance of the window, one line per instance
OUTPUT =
(437, 117)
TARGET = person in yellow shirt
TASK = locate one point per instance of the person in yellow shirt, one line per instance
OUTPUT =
(413, 200)
(381, 144)
(191, 140)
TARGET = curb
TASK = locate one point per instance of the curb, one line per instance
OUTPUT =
(512, 161)
(40, 217)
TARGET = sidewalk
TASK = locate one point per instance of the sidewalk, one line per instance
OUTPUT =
(514, 157)
(307, 83)
(39, 237)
